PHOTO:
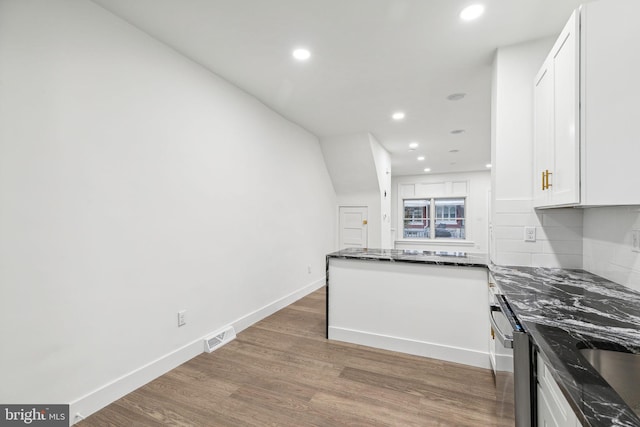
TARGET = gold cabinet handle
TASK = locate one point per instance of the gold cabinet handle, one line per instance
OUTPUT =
(545, 180)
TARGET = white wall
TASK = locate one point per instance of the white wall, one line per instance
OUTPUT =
(559, 231)
(350, 163)
(607, 244)
(476, 190)
(382, 160)
(133, 184)
(358, 166)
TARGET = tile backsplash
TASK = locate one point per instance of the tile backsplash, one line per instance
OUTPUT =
(558, 235)
(607, 244)
(594, 239)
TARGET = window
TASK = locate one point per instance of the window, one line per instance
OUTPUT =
(434, 218)
(417, 216)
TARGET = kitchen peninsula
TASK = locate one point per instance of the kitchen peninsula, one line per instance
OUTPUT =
(434, 304)
(431, 304)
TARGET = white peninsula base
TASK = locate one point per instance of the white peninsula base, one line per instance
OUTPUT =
(437, 311)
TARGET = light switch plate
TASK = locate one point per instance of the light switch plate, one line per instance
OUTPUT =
(529, 234)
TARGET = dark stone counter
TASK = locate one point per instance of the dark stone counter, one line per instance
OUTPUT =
(563, 311)
(567, 310)
(461, 259)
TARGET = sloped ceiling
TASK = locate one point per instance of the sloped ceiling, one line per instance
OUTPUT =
(369, 59)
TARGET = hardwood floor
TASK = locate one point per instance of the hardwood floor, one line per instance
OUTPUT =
(283, 372)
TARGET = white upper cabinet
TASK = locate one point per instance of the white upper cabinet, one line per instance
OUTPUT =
(586, 98)
(542, 132)
(557, 155)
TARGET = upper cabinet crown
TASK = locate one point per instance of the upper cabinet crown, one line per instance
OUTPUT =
(586, 98)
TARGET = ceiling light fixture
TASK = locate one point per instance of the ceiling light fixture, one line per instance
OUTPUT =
(427, 169)
(301, 54)
(472, 12)
(399, 115)
(456, 96)
(420, 158)
(488, 165)
(413, 145)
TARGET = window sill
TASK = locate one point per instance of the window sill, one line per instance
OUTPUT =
(439, 242)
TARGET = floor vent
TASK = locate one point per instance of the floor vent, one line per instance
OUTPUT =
(219, 338)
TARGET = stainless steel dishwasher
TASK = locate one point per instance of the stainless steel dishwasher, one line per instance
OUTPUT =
(510, 354)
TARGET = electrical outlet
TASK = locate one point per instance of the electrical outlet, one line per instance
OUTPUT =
(182, 318)
(635, 240)
(529, 234)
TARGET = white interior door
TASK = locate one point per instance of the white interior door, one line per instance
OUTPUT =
(353, 227)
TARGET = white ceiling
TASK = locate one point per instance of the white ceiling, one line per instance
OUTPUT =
(369, 59)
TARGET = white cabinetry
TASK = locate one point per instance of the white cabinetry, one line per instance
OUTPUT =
(557, 156)
(586, 105)
(553, 409)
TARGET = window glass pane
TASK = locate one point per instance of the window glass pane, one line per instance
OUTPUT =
(450, 220)
(413, 231)
(416, 218)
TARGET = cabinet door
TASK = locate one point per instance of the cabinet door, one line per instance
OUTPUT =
(565, 178)
(553, 409)
(545, 414)
(543, 133)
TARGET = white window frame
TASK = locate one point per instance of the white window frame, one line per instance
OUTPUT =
(431, 219)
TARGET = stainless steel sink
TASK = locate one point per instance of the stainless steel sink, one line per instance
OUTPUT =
(620, 370)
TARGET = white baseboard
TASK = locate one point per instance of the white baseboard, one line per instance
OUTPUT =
(255, 316)
(110, 392)
(419, 348)
(119, 387)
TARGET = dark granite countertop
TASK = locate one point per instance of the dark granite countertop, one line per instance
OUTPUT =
(565, 310)
(462, 259)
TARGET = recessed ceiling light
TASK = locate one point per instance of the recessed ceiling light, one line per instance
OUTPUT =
(457, 131)
(301, 54)
(472, 12)
(420, 158)
(427, 169)
(456, 96)
(399, 115)
(488, 165)
(453, 151)
(413, 145)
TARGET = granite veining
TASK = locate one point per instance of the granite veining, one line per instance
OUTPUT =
(413, 256)
(565, 311)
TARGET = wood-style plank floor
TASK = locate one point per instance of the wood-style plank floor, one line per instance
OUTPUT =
(283, 372)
